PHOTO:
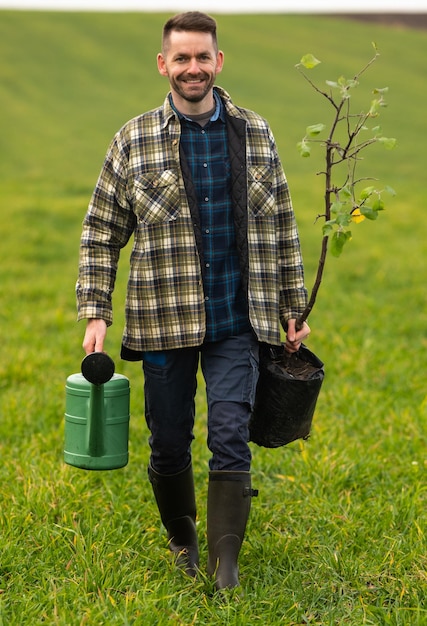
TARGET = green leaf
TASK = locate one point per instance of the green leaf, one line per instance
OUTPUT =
(309, 61)
(352, 83)
(344, 85)
(304, 148)
(338, 241)
(388, 142)
(328, 227)
(369, 212)
(367, 192)
(315, 129)
(378, 205)
(336, 207)
(390, 190)
(374, 110)
(380, 91)
(343, 219)
(346, 192)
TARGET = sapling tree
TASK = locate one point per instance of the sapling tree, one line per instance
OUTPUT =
(348, 199)
(284, 407)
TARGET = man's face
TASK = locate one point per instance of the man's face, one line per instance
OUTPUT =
(191, 63)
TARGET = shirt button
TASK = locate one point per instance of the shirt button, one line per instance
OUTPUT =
(207, 231)
(208, 264)
(205, 164)
(206, 298)
(206, 199)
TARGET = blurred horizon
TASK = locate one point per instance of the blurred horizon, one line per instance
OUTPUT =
(223, 6)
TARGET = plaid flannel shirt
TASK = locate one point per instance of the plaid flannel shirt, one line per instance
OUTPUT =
(141, 192)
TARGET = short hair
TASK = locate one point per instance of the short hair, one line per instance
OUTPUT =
(190, 21)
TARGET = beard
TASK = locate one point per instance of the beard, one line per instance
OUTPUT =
(193, 92)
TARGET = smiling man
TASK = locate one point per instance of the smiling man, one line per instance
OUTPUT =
(191, 61)
(215, 269)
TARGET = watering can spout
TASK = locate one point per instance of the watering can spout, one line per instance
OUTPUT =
(96, 421)
(98, 368)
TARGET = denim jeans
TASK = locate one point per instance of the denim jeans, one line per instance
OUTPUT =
(230, 371)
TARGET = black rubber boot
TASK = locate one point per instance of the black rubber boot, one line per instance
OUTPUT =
(229, 503)
(177, 506)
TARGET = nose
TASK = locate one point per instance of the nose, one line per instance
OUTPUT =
(193, 67)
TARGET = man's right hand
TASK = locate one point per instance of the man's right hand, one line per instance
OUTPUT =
(96, 331)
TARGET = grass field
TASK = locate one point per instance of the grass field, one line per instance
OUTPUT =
(338, 532)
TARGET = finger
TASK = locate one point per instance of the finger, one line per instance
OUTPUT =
(290, 331)
(88, 346)
(99, 345)
(89, 342)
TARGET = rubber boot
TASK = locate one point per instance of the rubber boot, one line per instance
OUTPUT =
(229, 503)
(177, 507)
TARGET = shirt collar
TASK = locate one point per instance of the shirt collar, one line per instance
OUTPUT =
(219, 112)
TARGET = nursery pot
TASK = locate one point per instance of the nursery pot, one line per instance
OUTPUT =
(286, 395)
(97, 416)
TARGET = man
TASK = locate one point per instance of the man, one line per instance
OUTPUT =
(215, 269)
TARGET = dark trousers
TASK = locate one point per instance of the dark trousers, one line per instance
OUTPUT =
(230, 370)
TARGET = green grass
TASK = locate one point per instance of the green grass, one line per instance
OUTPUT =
(337, 534)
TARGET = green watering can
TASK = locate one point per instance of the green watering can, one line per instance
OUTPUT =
(97, 415)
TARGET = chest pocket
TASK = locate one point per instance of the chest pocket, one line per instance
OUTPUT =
(156, 197)
(260, 195)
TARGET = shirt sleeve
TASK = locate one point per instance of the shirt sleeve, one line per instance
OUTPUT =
(107, 227)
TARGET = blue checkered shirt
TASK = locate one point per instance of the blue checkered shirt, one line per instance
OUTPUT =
(206, 150)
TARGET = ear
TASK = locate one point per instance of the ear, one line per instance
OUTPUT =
(161, 64)
(219, 61)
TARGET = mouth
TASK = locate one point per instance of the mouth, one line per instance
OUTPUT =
(193, 81)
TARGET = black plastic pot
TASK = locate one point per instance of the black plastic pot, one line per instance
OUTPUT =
(286, 396)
